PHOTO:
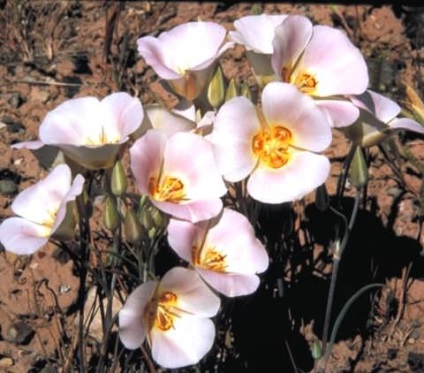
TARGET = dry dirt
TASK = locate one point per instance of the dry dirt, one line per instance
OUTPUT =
(51, 51)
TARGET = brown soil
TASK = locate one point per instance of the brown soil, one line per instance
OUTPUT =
(53, 51)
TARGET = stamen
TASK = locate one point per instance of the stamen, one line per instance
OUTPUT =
(171, 189)
(306, 83)
(271, 146)
(161, 312)
(209, 258)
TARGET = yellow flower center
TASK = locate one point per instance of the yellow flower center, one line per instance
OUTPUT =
(271, 146)
(209, 258)
(161, 311)
(170, 189)
(48, 223)
(304, 81)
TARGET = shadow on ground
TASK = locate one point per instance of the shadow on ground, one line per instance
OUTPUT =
(266, 326)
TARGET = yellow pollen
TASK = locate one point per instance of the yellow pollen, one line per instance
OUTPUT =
(209, 258)
(271, 146)
(305, 82)
(171, 189)
(48, 222)
(161, 312)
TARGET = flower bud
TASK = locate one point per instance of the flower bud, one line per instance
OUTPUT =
(145, 218)
(133, 230)
(118, 180)
(111, 218)
(358, 169)
(216, 89)
(158, 218)
(232, 90)
(316, 350)
(414, 103)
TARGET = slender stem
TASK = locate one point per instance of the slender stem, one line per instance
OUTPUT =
(331, 291)
(84, 242)
(337, 256)
(341, 316)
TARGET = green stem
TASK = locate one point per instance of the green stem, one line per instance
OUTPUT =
(337, 256)
(342, 315)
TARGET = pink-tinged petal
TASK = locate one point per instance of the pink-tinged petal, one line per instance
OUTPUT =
(122, 115)
(244, 253)
(230, 284)
(72, 122)
(189, 46)
(153, 51)
(406, 124)
(186, 343)
(382, 107)
(192, 156)
(235, 125)
(23, 237)
(40, 201)
(291, 38)
(155, 54)
(74, 191)
(165, 120)
(146, 157)
(283, 104)
(196, 45)
(336, 64)
(193, 211)
(32, 145)
(340, 113)
(193, 296)
(182, 236)
(302, 174)
(256, 32)
(132, 327)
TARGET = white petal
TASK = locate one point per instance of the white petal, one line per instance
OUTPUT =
(185, 344)
(256, 32)
(132, 329)
(283, 104)
(302, 174)
(229, 284)
(193, 295)
(23, 237)
(39, 203)
(235, 125)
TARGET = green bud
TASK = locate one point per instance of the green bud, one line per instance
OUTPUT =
(157, 217)
(119, 179)
(316, 350)
(133, 230)
(145, 218)
(111, 218)
(216, 89)
(232, 90)
(358, 169)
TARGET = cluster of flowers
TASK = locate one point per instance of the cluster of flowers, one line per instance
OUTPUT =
(312, 79)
